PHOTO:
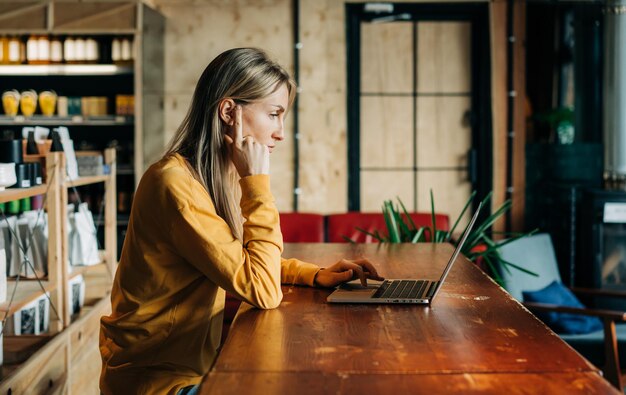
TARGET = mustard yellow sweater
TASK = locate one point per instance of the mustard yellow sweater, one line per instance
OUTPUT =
(178, 258)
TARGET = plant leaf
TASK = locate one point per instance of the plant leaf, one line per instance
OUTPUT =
(390, 220)
(458, 219)
(432, 212)
(410, 220)
(418, 235)
(374, 235)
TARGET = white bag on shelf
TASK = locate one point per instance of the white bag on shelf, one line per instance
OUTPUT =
(70, 155)
(33, 268)
(12, 248)
(38, 228)
(84, 244)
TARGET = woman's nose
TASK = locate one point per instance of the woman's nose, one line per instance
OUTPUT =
(280, 133)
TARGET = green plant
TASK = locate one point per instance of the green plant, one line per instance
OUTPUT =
(479, 246)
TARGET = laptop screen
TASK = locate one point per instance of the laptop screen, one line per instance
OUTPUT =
(457, 251)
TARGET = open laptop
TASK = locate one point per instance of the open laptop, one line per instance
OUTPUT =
(399, 290)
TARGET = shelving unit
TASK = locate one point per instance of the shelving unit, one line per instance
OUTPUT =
(65, 360)
(102, 20)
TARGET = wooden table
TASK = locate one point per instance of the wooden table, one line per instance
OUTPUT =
(474, 338)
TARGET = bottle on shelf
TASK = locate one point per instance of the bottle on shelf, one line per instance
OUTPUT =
(80, 50)
(69, 50)
(4, 49)
(92, 51)
(116, 50)
(43, 44)
(56, 50)
(32, 49)
(14, 50)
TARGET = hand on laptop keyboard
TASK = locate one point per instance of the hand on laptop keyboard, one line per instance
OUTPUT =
(347, 270)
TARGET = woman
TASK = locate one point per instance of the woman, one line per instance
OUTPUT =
(203, 222)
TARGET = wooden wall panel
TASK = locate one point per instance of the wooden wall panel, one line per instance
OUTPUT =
(444, 134)
(323, 124)
(450, 193)
(387, 50)
(444, 57)
(378, 186)
(196, 32)
(386, 131)
(497, 18)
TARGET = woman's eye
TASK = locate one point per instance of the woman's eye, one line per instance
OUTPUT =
(273, 115)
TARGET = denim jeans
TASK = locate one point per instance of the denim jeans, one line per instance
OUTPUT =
(191, 390)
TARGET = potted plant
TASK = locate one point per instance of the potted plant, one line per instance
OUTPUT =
(480, 247)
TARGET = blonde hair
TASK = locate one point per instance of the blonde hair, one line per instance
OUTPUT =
(244, 75)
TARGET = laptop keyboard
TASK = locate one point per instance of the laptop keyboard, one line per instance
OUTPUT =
(405, 289)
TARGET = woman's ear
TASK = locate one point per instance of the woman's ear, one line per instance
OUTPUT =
(226, 111)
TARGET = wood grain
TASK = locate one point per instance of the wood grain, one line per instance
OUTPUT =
(473, 326)
(361, 383)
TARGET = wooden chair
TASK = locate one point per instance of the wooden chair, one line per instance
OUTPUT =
(602, 347)
(344, 225)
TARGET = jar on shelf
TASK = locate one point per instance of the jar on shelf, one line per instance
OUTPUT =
(116, 50)
(81, 50)
(126, 50)
(32, 49)
(43, 44)
(92, 52)
(4, 50)
(69, 50)
(56, 50)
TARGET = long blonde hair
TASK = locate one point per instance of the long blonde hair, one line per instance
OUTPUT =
(244, 75)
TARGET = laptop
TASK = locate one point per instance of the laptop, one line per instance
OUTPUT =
(415, 291)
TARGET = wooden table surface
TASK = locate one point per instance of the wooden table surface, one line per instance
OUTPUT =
(473, 339)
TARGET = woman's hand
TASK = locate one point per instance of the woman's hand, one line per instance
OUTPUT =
(346, 270)
(248, 156)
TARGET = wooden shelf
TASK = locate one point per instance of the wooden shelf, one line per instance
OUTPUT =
(86, 180)
(97, 269)
(64, 69)
(27, 291)
(11, 194)
(78, 120)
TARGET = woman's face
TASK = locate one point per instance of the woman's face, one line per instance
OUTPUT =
(264, 119)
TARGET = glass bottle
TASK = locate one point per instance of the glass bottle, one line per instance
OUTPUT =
(32, 49)
(43, 44)
(56, 50)
(69, 50)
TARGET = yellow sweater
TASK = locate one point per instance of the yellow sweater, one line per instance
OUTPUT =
(178, 258)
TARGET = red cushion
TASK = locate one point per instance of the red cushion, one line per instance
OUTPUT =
(302, 227)
(340, 225)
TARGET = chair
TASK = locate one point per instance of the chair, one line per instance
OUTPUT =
(602, 347)
(344, 225)
(302, 227)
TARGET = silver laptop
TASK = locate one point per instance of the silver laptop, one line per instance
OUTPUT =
(399, 290)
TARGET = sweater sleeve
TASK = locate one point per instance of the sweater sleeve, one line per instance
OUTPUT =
(252, 269)
(297, 272)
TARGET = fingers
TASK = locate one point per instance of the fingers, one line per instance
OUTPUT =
(356, 269)
(238, 127)
(369, 268)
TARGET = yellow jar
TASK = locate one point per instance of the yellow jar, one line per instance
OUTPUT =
(10, 102)
(28, 103)
(47, 102)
